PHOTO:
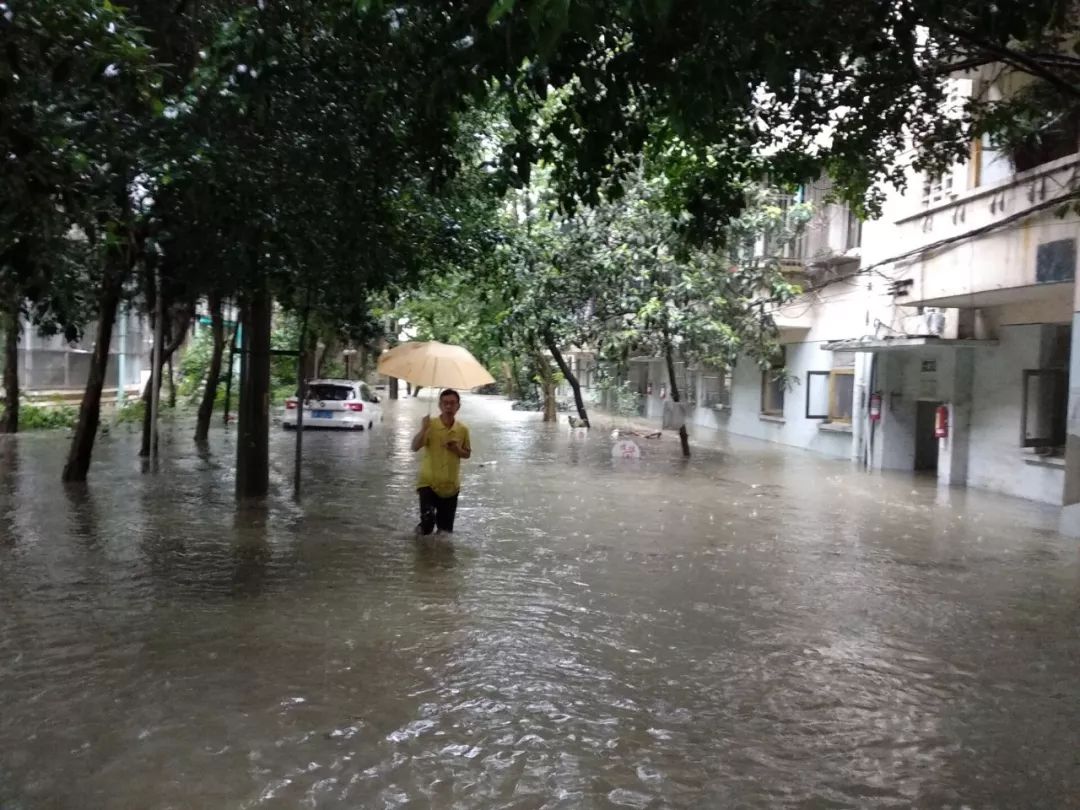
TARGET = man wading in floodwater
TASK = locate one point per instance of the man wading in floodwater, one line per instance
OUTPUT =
(446, 441)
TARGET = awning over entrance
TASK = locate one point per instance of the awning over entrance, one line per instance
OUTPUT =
(902, 344)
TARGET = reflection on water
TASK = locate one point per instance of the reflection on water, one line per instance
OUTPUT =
(754, 628)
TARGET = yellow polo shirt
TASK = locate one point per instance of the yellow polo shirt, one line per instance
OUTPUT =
(440, 469)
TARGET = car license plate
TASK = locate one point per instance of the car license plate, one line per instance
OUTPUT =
(322, 414)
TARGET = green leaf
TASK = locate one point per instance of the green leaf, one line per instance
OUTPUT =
(498, 9)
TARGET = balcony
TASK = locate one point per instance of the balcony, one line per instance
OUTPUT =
(980, 249)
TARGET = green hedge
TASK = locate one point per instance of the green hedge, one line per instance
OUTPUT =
(47, 417)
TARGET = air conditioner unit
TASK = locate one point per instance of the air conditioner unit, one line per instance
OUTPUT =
(930, 323)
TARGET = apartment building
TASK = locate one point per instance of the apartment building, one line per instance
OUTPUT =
(937, 338)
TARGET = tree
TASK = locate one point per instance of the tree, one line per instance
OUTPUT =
(720, 97)
(657, 294)
(68, 74)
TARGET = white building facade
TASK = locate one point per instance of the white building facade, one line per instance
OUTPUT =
(938, 338)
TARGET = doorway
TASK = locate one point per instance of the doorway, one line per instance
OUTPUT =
(926, 443)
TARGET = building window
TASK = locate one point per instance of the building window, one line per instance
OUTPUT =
(1042, 412)
(1045, 391)
(1055, 141)
(853, 238)
(937, 189)
(772, 385)
(841, 395)
(716, 388)
(830, 395)
(779, 242)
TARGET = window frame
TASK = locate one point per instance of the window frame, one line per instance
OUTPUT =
(810, 388)
(833, 409)
(768, 376)
(1058, 415)
(832, 416)
(722, 400)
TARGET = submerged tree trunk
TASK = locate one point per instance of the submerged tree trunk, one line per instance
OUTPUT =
(213, 375)
(301, 396)
(12, 328)
(173, 340)
(547, 386)
(229, 370)
(553, 347)
(684, 439)
(82, 443)
(253, 439)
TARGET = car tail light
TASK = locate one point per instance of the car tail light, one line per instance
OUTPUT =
(290, 404)
(355, 406)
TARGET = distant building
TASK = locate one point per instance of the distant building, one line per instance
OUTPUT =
(53, 367)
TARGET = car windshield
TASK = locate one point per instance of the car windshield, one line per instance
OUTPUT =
(329, 392)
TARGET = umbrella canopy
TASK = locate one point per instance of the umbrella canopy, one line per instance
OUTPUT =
(434, 365)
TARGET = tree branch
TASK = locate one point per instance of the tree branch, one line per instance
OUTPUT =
(1021, 61)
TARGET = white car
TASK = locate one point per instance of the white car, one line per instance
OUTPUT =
(335, 404)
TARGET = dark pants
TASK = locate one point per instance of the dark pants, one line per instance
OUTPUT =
(436, 511)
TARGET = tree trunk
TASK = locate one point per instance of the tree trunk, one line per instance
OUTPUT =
(547, 385)
(171, 377)
(253, 439)
(684, 439)
(174, 339)
(213, 375)
(320, 357)
(553, 347)
(309, 359)
(82, 443)
(229, 370)
(10, 423)
(515, 391)
(301, 396)
(392, 387)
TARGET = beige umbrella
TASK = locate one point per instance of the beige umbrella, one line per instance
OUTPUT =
(434, 365)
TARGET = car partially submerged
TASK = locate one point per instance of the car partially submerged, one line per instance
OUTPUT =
(345, 404)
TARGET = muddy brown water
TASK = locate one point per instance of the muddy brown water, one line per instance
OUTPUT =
(757, 628)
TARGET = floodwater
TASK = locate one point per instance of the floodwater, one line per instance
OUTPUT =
(757, 628)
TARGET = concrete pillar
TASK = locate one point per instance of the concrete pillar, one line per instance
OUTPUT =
(954, 449)
(1070, 513)
(859, 405)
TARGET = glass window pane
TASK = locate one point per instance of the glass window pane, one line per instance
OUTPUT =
(843, 393)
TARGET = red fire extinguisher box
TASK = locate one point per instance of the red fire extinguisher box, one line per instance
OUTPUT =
(941, 421)
(875, 406)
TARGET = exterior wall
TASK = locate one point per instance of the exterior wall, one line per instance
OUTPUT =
(997, 462)
(794, 429)
(990, 264)
(834, 312)
(983, 388)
